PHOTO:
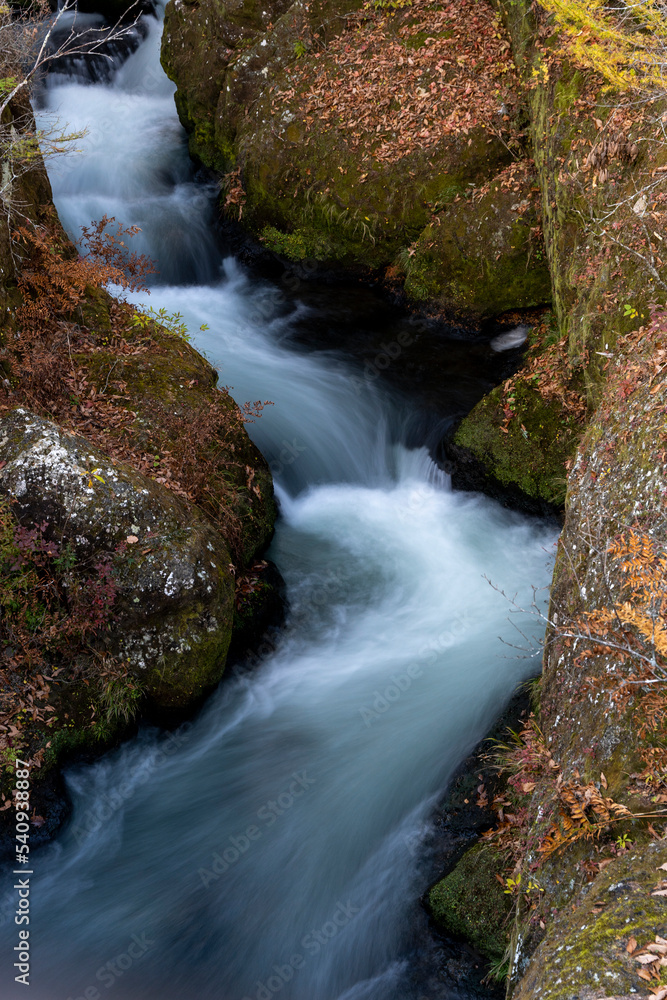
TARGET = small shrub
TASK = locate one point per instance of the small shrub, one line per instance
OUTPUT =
(120, 699)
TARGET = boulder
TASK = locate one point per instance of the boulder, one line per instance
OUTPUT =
(174, 600)
(483, 255)
(324, 158)
(471, 903)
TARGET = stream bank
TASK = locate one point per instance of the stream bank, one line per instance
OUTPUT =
(586, 787)
(110, 612)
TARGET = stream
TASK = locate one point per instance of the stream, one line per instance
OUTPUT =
(266, 848)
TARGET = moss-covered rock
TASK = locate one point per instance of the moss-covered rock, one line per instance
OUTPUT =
(523, 459)
(595, 717)
(484, 255)
(572, 940)
(345, 213)
(615, 482)
(572, 117)
(585, 954)
(174, 378)
(174, 592)
(323, 188)
(599, 290)
(471, 903)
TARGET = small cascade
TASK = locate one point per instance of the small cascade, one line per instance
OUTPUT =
(266, 848)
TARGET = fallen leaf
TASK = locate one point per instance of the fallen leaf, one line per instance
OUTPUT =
(631, 945)
(646, 959)
(603, 780)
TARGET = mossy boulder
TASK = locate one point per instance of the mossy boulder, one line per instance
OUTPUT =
(174, 593)
(307, 191)
(573, 126)
(323, 188)
(522, 460)
(483, 255)
(595, 719)
(585, 954)
(173, 378)
(471, 903)
(617, 481)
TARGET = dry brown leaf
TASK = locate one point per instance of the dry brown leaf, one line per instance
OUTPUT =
(631, 945)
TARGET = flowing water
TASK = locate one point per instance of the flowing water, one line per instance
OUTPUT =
(265, 849)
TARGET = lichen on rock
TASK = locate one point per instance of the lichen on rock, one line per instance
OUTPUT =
(173, 609)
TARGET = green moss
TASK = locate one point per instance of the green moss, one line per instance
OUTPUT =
(69, 738)
(532, 455)
(313, 199)
(588, 947)
(481, 256)
(307, 192)
(193, 659)
(471, 903)
(94, 311)
(417, 40)
(441, 190)
(301, 244)
(567, 90)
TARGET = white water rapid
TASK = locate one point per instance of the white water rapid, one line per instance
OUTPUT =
(267, 848)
